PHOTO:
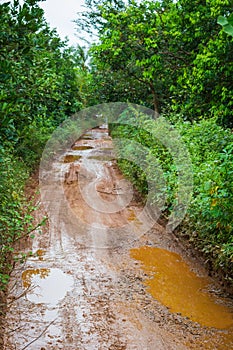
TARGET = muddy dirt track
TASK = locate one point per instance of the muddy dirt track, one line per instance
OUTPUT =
(101, 278)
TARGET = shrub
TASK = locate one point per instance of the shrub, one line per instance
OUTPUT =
(209, 221)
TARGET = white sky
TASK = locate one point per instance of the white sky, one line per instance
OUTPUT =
(60, 14)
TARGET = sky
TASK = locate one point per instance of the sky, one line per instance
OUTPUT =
(60, 14)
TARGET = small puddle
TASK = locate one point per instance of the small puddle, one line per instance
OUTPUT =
(69, 158)
(181, 290)
(48, 285)
(40, 254)
(87, 137)
(102, 158)
(107, 149)
(81, 148)
(133, 218)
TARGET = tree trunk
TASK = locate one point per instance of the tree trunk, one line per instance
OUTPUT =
(155, 100)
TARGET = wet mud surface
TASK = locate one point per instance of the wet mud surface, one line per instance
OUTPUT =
(102, 278)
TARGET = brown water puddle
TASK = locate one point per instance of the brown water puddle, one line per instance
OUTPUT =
(133, 218)
(180, 289)
(40, 254)
(48, 285)
(103, 158)
(87, 138)
(81, 148)
(69, 158)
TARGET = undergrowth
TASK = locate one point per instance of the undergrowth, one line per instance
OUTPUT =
(208, 223)
(16, 212)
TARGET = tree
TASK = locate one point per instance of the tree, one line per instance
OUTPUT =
(129, 48)
(172, 51)
(205, 84)
(38, 78)
(39, 88)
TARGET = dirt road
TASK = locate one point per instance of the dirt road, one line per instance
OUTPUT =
(101, 284)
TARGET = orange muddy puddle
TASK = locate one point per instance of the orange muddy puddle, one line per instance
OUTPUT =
(48, 285)
(181, 290)
(81, 148)
(133, 218)
(69, 158)
(40, 253)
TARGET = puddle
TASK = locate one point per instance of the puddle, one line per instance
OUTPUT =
(102, 158)
(133, 218)
(48, 285)
(40, 254)
(181, 290)
(87, 138)
(81, 148)
(69, 158)
(106, 149)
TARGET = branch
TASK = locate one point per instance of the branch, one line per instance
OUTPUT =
(174, 56)
(39, 336)
(29, 289)
(28, 233)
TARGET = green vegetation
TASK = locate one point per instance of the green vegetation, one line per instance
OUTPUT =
(209, 222)
(168, 55)
(39, 89)
(226, 23)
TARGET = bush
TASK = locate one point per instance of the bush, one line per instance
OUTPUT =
(209, 222)
(16, 220)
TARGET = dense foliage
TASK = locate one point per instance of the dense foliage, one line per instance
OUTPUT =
(167, 55)
(39, 81)
(16, 220)
(38, 78)
(208, 223)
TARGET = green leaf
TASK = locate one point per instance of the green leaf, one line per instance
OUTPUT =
(222, 20)
(230, 19)
(226, 23)
(228, 29)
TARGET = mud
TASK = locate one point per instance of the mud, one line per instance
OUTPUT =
(69, 158)
(81, 148)
(84, 287)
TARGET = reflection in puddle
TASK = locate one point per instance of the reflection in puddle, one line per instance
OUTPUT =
(81, 148)
(28, 275)
(180, 289)
(49, 285)
(69, 158)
